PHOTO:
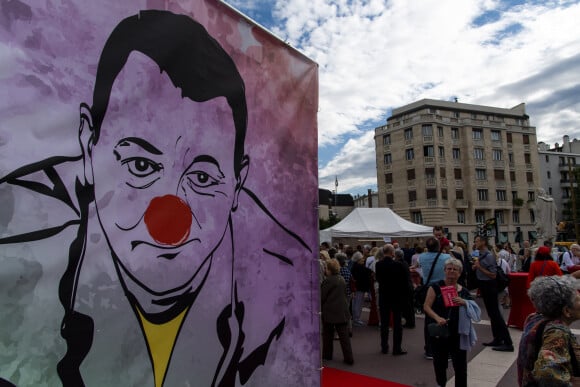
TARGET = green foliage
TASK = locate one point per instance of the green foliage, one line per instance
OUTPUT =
(326, 223)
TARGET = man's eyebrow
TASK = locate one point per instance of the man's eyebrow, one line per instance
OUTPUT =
(207, 159)
(142, 143)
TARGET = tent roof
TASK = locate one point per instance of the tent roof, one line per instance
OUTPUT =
(374, 223)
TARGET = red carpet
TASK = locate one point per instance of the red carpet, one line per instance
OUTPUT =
(331, 377)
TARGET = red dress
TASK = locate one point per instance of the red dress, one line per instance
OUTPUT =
(538, 269)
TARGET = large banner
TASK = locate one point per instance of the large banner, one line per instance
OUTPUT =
(158, 197)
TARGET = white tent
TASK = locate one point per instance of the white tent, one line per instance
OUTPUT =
(374, 223)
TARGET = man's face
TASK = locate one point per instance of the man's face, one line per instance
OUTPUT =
(164, 180)
(438, 234)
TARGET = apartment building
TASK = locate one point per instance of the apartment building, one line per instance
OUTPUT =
(556, 165)
(457, 165)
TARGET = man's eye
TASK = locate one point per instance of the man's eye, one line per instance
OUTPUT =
(141, 167)
(201, 179)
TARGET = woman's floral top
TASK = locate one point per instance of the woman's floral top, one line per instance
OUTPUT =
(553, 366)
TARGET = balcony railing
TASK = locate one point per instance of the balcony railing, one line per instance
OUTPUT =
(461, 203)
(429, 160)
(430, 182)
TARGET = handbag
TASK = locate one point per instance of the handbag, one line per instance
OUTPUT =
(502, 279)
(438, 331)
(420, 293)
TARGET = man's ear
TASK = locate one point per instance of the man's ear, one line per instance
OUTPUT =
(241, 180)
(86, 141)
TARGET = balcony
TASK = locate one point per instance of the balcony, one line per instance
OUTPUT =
(428, 139)
(429, 160)
(500, 184)
(527, 147)
(408, 141)
(480, 163)
(430, 182)
(443, 182)
(455, 141)
(458, 183)
(411, 183)
(412, 204)
(387, 148)
(496, 143)
(529, 166)
(432, 203)
(498, 163)
(510, 146)
(389, 187)
(388, 167)
(512, 166)
(481, 183)
(461, 203)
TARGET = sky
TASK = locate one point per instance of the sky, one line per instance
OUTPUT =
(377, 55)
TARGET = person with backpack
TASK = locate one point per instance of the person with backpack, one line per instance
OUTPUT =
(548, 348)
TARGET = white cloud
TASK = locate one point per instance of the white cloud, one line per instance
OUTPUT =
(375, 55)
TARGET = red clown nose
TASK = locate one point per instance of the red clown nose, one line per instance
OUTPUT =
(168, 220)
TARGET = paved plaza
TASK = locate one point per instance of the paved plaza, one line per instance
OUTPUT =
(486, 368)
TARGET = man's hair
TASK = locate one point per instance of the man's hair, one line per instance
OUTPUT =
(437, 228)
(194, 61)
(432, 244)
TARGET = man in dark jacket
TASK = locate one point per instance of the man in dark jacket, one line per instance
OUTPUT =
(393, 278)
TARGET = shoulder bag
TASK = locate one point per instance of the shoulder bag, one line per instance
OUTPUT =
(420, 292)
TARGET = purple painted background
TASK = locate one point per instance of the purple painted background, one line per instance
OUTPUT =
(48, 57)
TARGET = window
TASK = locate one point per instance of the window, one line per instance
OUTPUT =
(455, 114)
(410, 174)
(417, 217)
(409, 154)
(456, 154)
(442, 172)
(440, 131)
(432, 111)
(499, 217)
(529, 177)
(386, 139)
(429, 151)
(508, 137)
(457, 173)
(388, 158)
(461, 217)
(408, 134)
(547, 158)
(496, 154)
(499, 174)
(511, 157)
(482, 195)
(427, 129)
(459, 194)
(526, 139)
(431, 194)
(512, 175)
(441, 152)
(390, 198)
(477, 134)
(478, 153)
(514, 194)
(549, 174)
(495, 135)
(532, 216)
(412, 196)
(455, 133)
(388, 178)
(429, 173)
(444, 193)
(501, 195)
(550, 191)
(531, 196)
(527, 158)
(479, 216)
(516, 216)
(480, 174)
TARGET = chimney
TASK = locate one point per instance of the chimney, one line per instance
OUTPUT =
(370, 198)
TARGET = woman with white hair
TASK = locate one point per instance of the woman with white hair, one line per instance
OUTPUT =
(548, 349)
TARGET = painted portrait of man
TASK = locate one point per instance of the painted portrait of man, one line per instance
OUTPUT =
(176, 272)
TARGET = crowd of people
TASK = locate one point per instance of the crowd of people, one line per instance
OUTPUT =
(387, 277)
